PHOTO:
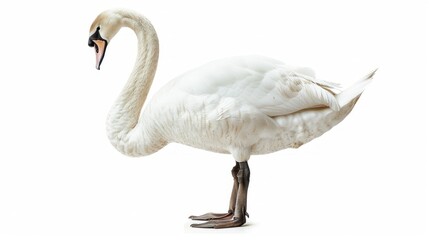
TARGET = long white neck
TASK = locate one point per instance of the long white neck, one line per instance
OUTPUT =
(124, 114)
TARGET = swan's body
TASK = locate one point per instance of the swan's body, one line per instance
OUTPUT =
(241, 105)
(253, 106)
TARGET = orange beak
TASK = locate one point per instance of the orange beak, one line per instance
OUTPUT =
(100, 50)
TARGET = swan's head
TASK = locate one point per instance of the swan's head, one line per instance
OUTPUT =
(102, 30)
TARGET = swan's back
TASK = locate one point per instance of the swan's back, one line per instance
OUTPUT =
(223, 73)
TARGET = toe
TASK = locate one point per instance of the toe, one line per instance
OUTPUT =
(234, 222)
(211, 216)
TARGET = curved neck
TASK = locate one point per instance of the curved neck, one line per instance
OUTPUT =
(124, 115)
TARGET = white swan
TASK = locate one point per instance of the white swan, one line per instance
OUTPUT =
(240, 105)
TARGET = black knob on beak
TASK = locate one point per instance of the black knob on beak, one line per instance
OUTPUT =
(95, 36)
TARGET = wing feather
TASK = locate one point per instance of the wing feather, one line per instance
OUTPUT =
(233, 86)
(291, 92)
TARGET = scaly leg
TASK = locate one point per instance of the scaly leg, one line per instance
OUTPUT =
(239, 208)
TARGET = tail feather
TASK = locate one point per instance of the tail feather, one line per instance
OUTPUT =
(355, 90)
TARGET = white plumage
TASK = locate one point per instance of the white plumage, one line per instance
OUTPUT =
(249, 105)
(240, 105)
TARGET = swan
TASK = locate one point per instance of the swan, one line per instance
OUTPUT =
(239, 105)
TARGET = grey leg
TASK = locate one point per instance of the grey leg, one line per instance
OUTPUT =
(238, 203)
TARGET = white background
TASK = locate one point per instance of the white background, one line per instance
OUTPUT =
(61, 179)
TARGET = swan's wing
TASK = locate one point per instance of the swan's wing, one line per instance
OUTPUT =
(238, 86)
(283, 92)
